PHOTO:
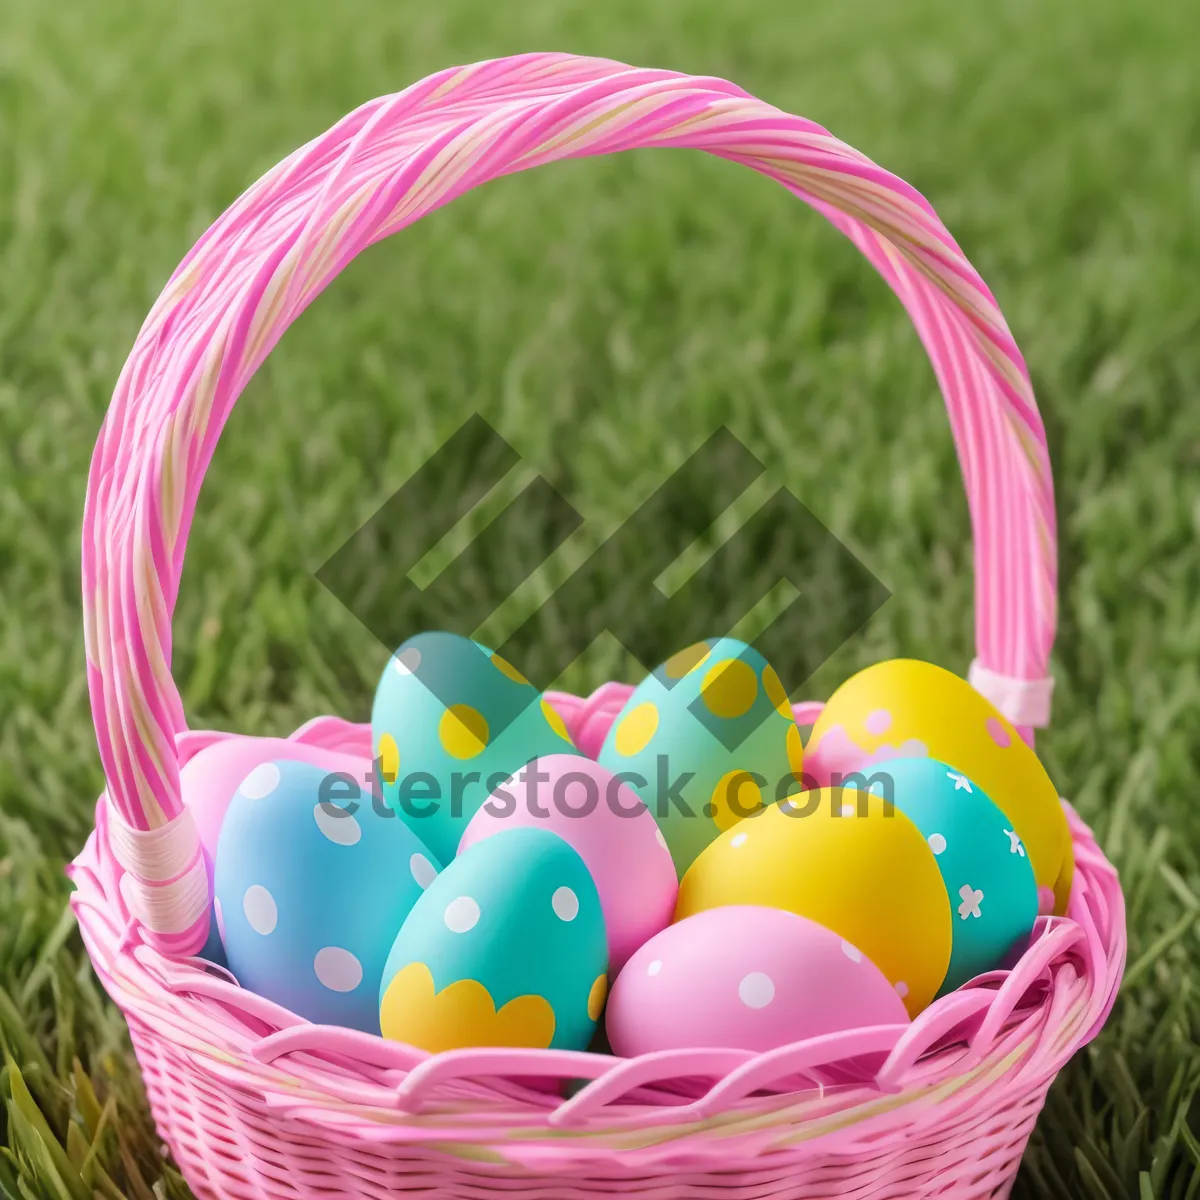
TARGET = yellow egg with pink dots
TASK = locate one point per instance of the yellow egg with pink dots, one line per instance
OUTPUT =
(906, 708)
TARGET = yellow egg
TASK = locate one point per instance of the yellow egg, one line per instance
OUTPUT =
(865, 872)
(907, 708)
(1062, 885)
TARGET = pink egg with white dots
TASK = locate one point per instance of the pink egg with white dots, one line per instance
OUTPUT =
(607, 825)
(745, 978)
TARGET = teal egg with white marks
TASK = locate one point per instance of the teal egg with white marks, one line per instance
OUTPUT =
(983, 863)
(311, 880)
(451, 721)
(705, 740)
(507, 947)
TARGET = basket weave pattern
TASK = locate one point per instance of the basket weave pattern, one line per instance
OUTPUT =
(254, 1102)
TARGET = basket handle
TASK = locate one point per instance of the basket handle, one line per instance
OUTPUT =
(378, 170)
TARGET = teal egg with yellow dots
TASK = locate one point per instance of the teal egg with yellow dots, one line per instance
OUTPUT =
(986, 870)
(705, 740)
(450, 722)
(506, 947)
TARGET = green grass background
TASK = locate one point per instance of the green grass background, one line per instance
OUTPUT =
(604, 315)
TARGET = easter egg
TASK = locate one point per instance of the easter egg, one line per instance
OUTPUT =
(213, 949)
(745, 978)
(905, 708)
(848, 861)
(311, 890)
(983, 863)
(705, 740)
(208, 780)
(607, 825)
(451, 721)
(505, 948)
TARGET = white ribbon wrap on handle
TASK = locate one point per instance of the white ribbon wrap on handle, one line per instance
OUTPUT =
(165, 884)
(168, 908)
(154, 855)
(1022, 701)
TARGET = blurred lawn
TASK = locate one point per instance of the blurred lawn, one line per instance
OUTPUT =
(604, 316)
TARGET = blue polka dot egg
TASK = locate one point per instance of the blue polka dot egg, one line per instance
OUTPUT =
(507, 947)
(452, 721)
(706, 739)
(984, 866)
(311, 881)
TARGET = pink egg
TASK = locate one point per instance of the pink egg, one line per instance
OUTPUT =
(609, 828)
(209, 779)
(745, 978)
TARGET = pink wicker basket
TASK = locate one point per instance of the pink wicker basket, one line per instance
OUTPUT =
(253, 1101)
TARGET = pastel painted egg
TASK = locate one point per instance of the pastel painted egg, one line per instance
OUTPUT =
(848, 861)
(213, 949)
(745, 978)
(705, 740)
(983, 864)
(506, 948)
(311, 890)
(607, 825)
(208, 780)
(451, 721)
(906, 708)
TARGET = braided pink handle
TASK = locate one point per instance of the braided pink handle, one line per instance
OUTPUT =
(386, 165)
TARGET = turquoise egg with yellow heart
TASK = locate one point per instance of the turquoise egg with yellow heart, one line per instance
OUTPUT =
(988, 877)
(507, 947)
(451, 722)
(310, 885)
(707, 739)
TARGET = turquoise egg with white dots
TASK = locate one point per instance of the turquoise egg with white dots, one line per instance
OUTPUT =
(451, 722)
(707, 739)
(507, 947)
(983, 863)
(310, 886)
